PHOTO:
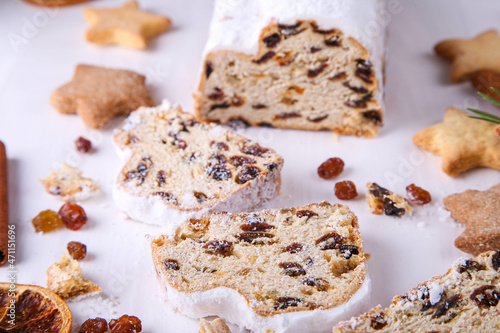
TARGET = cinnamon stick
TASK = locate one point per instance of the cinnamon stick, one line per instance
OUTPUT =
(4, 206)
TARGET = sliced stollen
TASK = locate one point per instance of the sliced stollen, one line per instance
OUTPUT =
(300, 269)
(463, 300)
(178, 168)
(294, 64)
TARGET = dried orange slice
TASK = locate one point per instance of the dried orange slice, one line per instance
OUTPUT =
(27, 308)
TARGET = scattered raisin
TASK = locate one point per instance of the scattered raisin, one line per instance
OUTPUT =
(315, 72)
(141, 171)
(249, 237)
(319, 283)
(218, 247)
(77, 250)
(73, 216)
(294, 248)
(254, 149)
(47, 221)
(358, 103)
(448, 303)
(258, 226)
(333, 41)
(348, 250)
(160, 178)
(364, 70)
(331, 168)
(200, 197)
(208, 69)
(241, 160)
(317, 119)
(292, 268)
(272, 40)
(271, 166)
(94, 325)
(219, 172)
(264, 58)
(83, 145)
(485, 296)
(495, 260)
(321, 31)
(470, 265)
(219, 145)
(338, 76)
(374, 116)
(359, 90)
(315, 49)
(259, 106)
(378, 322)
(172, 264)
(125, 324)
(219, 106)
(290, 30)
(345, 190)
(287, 115)
(417, 195)
(308, 213)
(391, 209)
(264, 124)
(247, 173)
(330, 241)
(166, 197)
(285, 302)
(216, 94)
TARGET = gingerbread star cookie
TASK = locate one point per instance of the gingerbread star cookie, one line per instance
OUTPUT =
(480, 212)
(98, 94)
(470, 55)
(462, 142)
(127, 25)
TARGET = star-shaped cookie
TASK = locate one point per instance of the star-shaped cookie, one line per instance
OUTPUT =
(480, 212)
(98, 94)
(470, 55)
(127, 25)
(463, 143)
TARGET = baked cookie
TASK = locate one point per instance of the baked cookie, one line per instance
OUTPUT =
(65, 279)
(383, 201)
(280, 270)
(480, 212)
(463, 300)
(68, 184)
(290, 64)
(462, 142)
(127, 25)
(483, 80)
(99, 94)
(178, 168)
(215, 326)
(470, 55)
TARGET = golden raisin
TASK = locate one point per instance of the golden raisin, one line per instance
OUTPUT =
(125, 324)
(332, 167)
(47, 221)
(83, 145)
(94, 325)
(417, 195)
(345, 190)
(77, 250)
(73, 216)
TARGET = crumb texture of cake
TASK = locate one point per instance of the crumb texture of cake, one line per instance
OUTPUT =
(65, 279)
(294, 65)
(383, 201)
(215, 326)
(463, 300)
(178, 168)
(281, 270)
(68, 184)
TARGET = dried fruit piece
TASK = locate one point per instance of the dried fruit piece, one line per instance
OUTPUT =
(222, 247)
(247, 173)
(378, 322)
(219, 145)
(308, 213)
(73, 216)
(125, 324)
(141, 171)
(249, 237)
(265, 57)
(485, 296)
(77, 250)
(348, 250)
(94, 325)
(254, 149)
(345, 190)
(294, 248)
(292, 268)
(256, 226)
(272, 40)
(495, 260)
(319, 283)
(83, 145)
(47, 221)
(470, 265)
(330, 241)
(331, 168)
(417, 195)
(285, 302)
(172, 264)
(364, 70)
(315, 72)
(240, 160)
(160, 178)
(448, 303)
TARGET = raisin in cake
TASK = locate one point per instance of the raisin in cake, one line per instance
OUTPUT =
(178, 168)
(285, 270)
(295, 64)
(463, 300)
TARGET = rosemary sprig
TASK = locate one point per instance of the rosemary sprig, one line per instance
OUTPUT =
(481, 115)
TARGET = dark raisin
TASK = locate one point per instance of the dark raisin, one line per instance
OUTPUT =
(309, 262)
(285, 302)
(264, 124)
(292, 268)
(323, 32)
(83, 145)
(172, 264)
(247, 173)
(180, 143)
(317, 119)
(264, 58)
(237, 124)
(348, 250)
(222, 247)
(254, 149)
(191, 123)
(219, 145)
(272, 40)
(94, 325)
(208, 69)
(290, 30)
(216, 94)
(200, 197)
(358, 103)
(346, 190)
(77, 250)
(237, 101)
(374, 116)
(294, 248)
(359, 90)
(470, 265)
(485, 296)
(364, 70)
(331, 168)
(495, 260)
(271, 166)
(249, 237)
(308, 213)
(448, 303)
(220, 106)
(160, 178)
(258, 226)
(125, 324)
(259, 106)
(378, 191)
(287, 115)
(219, 172)
(338, 76)
(417, 195)
(319, 283)
(333, 41)
(315, 49)
(315, 72)
(241, 160)
(141, 171)
(73, 216)
(391, 209)
(378, 322)
(330, 241)
(167, 197)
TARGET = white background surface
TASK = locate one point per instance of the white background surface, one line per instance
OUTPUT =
(403, 251)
